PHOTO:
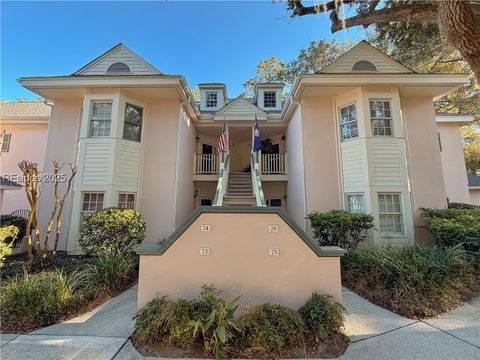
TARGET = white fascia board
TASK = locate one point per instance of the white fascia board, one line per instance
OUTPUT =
(332, 79)
(454, 119)
(99, 81)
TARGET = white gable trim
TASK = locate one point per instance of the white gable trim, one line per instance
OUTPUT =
(148, 69)
(252, 110)
(375, 53)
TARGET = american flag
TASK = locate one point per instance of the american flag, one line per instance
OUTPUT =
(223, 141)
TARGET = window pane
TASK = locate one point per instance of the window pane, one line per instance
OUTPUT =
(132, 127)
(390, 214)
(348, 122)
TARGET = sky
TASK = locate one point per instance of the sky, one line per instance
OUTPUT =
(214, 41)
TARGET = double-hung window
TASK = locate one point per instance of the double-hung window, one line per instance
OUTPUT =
(92, 202)
(348, 122)
(132, 126)
(126, 201)
(269, 99)
(100, 119)
(390, 214)
(211, 99)
(355, 203)
(381, 118)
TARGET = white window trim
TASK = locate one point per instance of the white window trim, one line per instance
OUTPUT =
(127, 193)
(374, 118)
(207, 93)
(82, 212)
(90, 117)
(401, 213)
(355, 194)
(125, 122)
(340, 107)
(265, 92)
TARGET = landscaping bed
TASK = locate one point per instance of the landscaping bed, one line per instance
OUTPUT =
(416, 282)
(211, 327)
(68, 287)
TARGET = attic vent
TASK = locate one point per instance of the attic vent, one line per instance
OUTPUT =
(119, 68)
(363, 65)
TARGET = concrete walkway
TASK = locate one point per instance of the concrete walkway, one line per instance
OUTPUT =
(375, 334)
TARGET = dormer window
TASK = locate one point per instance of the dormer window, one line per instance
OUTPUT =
(211, 98)
(119, 68)
(269, 99)
(363, 66)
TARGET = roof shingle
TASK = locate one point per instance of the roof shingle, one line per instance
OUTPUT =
(24, 110)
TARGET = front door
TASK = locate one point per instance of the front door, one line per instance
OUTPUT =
(207, 159)
(207, 149)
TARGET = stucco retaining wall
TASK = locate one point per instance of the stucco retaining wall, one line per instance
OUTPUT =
(239, 262)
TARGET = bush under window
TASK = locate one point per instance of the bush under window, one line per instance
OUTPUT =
(340, 228)
(455, 226)
(111, 230)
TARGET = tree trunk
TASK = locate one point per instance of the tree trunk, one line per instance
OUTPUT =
(462, 28)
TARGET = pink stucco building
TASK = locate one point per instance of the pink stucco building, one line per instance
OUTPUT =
(23, 132)
(361, 135)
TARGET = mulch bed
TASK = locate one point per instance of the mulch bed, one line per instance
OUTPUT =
(332, 348)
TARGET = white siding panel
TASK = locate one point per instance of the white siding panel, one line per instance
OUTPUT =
(387, 163)
(382, 62)
(354, 165)
(137, 66)
(98, 163)
(129, 164)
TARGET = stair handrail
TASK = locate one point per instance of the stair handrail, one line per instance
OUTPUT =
(256, 181)
(223, 172)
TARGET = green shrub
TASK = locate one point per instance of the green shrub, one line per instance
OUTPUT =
(457, 205)
(340, 228)
(451, 227)
(111, 230)
(39, 299)
(322, 315)
(270, 329)
(19, 222)
(416, 282)
(109, 273)
(219, 327)
(166, 321)
(5, 250)
(8, 234)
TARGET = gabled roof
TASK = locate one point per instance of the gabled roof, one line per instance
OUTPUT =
(364, 51)
(241, 107)
(473, 180)
(118, 54)
(24, 110)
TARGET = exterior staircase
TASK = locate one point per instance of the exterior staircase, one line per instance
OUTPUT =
(239, 190)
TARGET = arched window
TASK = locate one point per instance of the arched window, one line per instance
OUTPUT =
(119, 68)
(363, 65)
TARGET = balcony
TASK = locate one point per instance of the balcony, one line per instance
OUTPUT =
(206, 166)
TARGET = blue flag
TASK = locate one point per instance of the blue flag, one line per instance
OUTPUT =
(257, 143)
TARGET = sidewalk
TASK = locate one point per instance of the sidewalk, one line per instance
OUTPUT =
(375, 334)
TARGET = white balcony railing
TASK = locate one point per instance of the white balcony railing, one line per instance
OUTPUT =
(274, 164)
(205, 164)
